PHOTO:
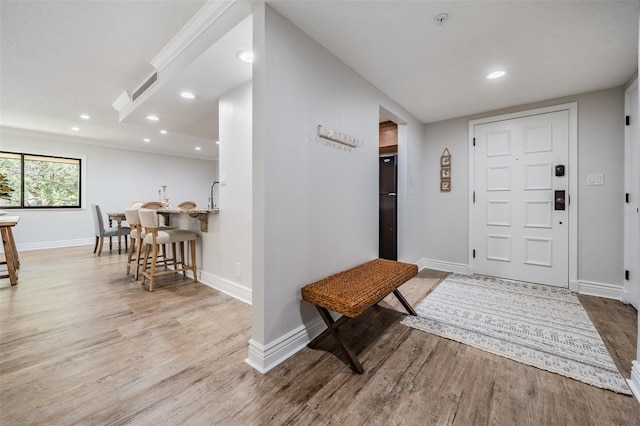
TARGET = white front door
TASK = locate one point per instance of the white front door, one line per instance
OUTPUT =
(520, 212)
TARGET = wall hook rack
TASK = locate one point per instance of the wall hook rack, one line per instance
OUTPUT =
(338, 137)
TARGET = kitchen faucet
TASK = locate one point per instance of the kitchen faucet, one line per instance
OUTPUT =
(211, 203)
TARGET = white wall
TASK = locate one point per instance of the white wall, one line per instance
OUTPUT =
(600, 150)
(114, 178)
(228, 241)
(318, 206)
(410, 168)
(445, 227)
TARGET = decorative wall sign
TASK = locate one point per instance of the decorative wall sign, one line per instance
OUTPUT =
(445, 171)
(339, 137)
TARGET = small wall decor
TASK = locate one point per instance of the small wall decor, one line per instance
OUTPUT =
(337, 139)
(445, 171)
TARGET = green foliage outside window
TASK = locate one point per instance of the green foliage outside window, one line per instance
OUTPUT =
(5, 189)
(11, 170)
(40, 181)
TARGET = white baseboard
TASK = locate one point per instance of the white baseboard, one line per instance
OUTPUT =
(634, 381)
(265, 357)
(234, 290)
(59, 244)
(440, 265)
(591, 288)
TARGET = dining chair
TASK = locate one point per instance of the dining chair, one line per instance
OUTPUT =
(102, 232)
(187, 205)
(155, 237)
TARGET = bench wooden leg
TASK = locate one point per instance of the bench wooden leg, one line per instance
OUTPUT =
(404, 302)
(327, 332)
(332, 328)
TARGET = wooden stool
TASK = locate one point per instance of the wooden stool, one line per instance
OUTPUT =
(12, 260)
(156, 236)
(187, 205)
(137, 234)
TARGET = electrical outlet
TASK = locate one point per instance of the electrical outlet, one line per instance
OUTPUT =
(238, 269)
(193, 220)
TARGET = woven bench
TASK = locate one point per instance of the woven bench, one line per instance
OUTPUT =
(352, 292)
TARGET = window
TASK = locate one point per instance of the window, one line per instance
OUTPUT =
(40, 181)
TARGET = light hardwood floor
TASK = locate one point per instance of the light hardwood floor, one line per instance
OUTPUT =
(81, 343)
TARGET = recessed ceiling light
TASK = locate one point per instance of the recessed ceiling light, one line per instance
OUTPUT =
(187, 95)
(164, 132)
(75, 129)
(146, 140)
(85, 116)
(197, 148)
(152, 117)
(496, 74)
(245, 56)
(218, 142)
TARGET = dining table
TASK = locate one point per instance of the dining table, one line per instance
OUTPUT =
(12, 260)
(119, 217)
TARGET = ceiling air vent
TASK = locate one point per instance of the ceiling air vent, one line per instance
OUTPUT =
(144, 86)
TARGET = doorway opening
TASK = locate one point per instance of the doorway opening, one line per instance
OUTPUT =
(388, 191)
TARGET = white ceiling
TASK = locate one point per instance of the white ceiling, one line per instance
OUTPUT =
(548, 49)
(60, 59)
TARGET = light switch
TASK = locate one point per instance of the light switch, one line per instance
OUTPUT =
(595, 179)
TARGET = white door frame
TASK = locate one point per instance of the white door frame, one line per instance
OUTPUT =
(572, 168)
(630, 175)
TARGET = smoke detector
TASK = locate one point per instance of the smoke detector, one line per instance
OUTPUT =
(441, 18)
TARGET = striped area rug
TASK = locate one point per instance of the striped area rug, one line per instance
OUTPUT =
(538, 325)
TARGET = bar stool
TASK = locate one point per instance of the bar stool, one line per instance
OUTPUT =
(187, 205)
(155, 205)
(137, 235)
(152, 205)
(154, 237)
(136, 204)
